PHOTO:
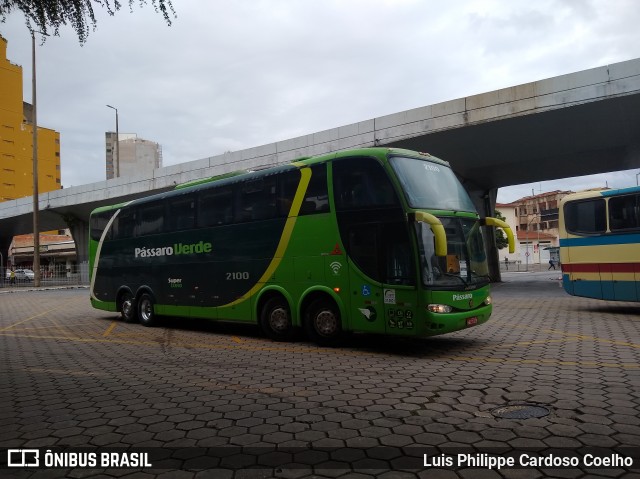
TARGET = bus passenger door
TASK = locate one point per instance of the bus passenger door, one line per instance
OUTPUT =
(383, 281)
(367, 309)
(399, 288)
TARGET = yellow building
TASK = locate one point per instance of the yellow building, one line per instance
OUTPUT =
(16, 139)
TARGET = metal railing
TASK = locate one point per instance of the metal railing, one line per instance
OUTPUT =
(54, 275)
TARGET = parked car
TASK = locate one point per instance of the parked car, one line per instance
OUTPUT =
(21, 275)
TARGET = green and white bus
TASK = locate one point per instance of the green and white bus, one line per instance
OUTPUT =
(373, 240)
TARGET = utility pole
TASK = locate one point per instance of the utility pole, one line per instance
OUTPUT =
(36, 226)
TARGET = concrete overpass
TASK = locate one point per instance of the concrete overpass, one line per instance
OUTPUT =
(576, 124)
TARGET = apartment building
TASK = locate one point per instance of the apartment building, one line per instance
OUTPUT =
(534, 221)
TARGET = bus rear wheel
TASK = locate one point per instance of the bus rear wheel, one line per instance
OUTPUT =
(146, 314)
(323, 324)
(128, 307)
(275, 319)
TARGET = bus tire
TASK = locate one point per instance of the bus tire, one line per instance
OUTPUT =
(323, 324)
(146, 314)
(128, 307)
(275, 319)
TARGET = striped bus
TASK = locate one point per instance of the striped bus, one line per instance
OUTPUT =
(600, 244)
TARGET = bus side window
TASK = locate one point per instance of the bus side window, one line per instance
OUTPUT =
(181, 213)
(150, 219)
(623, 212)
(215, 206)
(124, 225)
(99, 223)
(316, 200)
(288, 182)
(586, 217)
(256, 200)
(362, 183)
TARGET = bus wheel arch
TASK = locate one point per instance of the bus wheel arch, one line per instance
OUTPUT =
(145, 306)
(126, 305)
(322, 318)
(274, 315)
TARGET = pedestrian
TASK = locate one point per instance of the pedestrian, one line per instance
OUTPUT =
(551, 265)
(506, 263)
(12, 277)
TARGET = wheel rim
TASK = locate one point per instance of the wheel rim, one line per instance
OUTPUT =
(279, 320)
(146, 310)
(326, 323)
(127, 306)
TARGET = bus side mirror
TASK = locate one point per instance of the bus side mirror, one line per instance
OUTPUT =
(495, 222)
(437, 229)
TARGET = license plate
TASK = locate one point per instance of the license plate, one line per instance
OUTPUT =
(472, 321)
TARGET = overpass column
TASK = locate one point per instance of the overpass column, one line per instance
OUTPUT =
(80, 232)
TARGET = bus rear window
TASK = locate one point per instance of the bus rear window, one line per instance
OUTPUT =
(586, 217)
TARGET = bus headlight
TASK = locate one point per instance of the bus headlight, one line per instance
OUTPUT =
(488, 301)
(439, 308)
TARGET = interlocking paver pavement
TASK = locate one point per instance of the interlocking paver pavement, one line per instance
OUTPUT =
(74, 376)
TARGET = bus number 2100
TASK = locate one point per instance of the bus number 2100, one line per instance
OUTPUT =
(237, 275)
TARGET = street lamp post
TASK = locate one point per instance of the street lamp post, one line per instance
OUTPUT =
(527, 249)
(117, 172)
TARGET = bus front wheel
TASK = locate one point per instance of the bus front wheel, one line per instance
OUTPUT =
(323, 324)
(275, 319)
(146, 314)
(128, 307)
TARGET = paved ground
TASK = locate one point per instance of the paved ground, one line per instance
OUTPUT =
(74, 376)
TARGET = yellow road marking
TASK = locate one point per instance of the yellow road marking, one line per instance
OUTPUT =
(537, 341)
(111, 327)
(66, 372)
(545, 362)
(601, 340)
(249, 347)
(27, 319)
(236, 339)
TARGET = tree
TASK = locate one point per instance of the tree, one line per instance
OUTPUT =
(501, 238)
(47, 16)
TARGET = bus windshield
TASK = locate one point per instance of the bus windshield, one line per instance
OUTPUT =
(464, 266)
(430, 185)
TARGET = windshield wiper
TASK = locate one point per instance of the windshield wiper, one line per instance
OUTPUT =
(453, 275)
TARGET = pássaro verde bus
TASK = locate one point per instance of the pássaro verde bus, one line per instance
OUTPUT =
(373, 240)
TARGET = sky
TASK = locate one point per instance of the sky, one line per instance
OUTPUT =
(226, 76)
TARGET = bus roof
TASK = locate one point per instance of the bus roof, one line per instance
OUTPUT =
(378, 152)
(381, 153)
(600, 192)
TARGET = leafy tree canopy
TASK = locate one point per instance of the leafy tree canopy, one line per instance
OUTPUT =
(501, 238)
(47, 16)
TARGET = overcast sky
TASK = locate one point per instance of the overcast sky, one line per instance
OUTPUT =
(233, 75)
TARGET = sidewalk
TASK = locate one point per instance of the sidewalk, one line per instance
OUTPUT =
(6, 288)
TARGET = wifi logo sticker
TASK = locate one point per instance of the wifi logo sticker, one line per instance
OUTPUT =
(336, 266)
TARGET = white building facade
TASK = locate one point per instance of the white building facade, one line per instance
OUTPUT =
(131, 155)
(534, 221)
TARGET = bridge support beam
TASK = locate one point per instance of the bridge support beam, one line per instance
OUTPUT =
(80, 233)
